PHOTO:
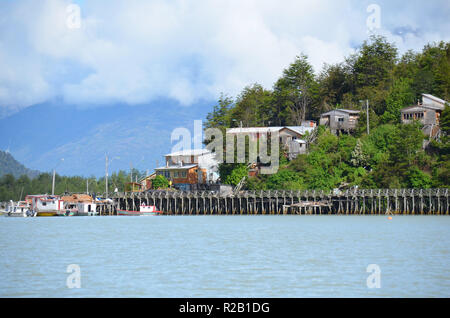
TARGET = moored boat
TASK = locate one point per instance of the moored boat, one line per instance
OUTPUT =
(19, 209)
(46, 205)
(87, 209)
(80, 204)
(143, 210)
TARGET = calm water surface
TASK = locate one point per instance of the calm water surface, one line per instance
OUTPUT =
(225, 256)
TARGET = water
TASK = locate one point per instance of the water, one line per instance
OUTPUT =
(225, 256)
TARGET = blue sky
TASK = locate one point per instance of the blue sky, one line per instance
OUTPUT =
(134, 53)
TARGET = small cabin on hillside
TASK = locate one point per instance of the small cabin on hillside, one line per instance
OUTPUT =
(340, 120)
(291, 137)
(428, 113)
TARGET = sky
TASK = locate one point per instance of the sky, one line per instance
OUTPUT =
(134, 52)
(79, 79)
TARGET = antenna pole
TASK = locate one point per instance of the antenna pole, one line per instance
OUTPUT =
(367, 109)
(106, 175)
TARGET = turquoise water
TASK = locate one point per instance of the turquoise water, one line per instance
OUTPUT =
(225, 256)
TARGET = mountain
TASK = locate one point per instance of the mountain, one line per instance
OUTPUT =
(9, 165)
(41, 135)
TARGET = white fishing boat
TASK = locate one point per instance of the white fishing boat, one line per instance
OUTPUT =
(46, 205)
(87, 209)
(19, 209)
(143, 210)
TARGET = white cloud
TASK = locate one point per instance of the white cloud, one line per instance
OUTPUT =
(135, 51)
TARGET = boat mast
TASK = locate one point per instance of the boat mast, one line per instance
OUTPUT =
(106, 175)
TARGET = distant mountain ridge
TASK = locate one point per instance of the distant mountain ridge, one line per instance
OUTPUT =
(137, 136)
(9, 165)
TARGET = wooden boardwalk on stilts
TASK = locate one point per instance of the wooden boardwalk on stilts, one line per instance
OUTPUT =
(355, 201)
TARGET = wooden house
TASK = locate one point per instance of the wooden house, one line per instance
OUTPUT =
(427, 113)
(291, 137)
(188, 168)
(183, 176)
(340, 120)
(147, 181)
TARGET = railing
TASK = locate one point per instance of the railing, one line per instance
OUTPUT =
(295, 193)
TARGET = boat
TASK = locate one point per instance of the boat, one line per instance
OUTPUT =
(3, 209)
(19, 209)
(80, 204)
(46, 205)
(87, 209)
(143, 210)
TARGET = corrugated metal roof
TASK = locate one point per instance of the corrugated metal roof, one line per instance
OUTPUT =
(184, 167)
(254, 130)
(80, 197)
(150, 176)
(436, 99)
(300, 129)
(413, 109)
(189, 152)
(342, 110)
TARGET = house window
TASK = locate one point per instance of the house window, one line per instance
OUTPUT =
(183, 174)
(175, 174)
(340, 119)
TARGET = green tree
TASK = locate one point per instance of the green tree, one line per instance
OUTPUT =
(220, 116)
(252, 107)
(416, 178)
(374, 62)
(294, 91)
(433, 73)
(334, 85)
(400, 96)
(285, 179)
(160, 182)
(232, 173)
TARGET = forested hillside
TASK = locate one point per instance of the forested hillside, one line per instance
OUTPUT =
(391, 156)
(9, 165)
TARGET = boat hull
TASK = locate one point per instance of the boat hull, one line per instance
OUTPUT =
(87, 214)
(48, 213)
(16, 214)
(137, 213)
